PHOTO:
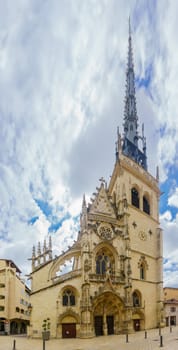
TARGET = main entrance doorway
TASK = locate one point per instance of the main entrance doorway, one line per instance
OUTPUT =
(108, 309)
(99, 325)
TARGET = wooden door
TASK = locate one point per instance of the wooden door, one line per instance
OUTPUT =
(98, 325)
(69, 330)
(110, 324)
(136, 325)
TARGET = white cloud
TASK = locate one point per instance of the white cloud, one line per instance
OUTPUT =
(173, 199)
(166, 216)
(170, 278)
(170, 228)
(42, 225)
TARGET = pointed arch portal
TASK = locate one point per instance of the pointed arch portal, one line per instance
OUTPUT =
(108, 313)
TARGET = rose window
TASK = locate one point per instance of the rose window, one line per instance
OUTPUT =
(105, 232)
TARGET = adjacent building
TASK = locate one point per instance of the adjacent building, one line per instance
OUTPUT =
(14, 299)
(115, 281)
(171, 306)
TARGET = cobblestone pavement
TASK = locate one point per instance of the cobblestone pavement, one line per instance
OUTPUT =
(136, 341)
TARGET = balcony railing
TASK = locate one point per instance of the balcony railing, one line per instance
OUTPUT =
(22, 316)
(66, 276)
(116, 279)
(137, 307)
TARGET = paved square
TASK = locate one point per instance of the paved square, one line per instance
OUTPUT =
(136, 341)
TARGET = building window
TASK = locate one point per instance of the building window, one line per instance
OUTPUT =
(68, 298)
(136, 299)
(2, 285)
(142, 272)
(2, 296)
(172, 320)
(101, 264)
(105, 262)
(17, 309)
(143, 266)
(1, 308)
(135, 197)
(146, 205)
(173, 309)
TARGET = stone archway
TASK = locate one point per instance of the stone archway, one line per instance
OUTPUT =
(138, 321)
(108, 314)
(68, 325)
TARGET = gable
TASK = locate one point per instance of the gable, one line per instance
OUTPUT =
(101, 204)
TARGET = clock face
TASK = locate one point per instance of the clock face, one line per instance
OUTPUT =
(105, 232)
(142, 235)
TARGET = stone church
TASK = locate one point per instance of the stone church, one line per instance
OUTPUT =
(115, 283)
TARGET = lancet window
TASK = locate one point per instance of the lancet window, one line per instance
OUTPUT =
(143, 266)
(68, 298)
(101, 264)
(135, 197)
(104, 262)
(146, 205)
(136, 299)
(142, 271)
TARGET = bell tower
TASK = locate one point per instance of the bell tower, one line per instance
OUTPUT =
(142, 197)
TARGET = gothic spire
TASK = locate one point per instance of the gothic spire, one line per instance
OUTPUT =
(84, 202)
(130, 111)
(83, 217)
(131, 136)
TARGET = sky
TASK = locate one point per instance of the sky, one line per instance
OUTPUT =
(62, 89)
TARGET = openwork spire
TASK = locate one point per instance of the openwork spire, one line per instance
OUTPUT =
(131, 136)
(130, 111)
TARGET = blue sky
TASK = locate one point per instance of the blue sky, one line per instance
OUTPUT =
(62, 89)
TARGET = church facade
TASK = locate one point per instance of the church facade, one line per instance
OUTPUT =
(115, 284)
